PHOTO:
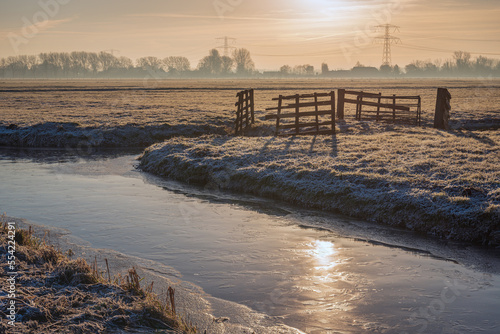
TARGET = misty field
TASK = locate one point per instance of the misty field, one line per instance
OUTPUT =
(441, 182)
(113, 103)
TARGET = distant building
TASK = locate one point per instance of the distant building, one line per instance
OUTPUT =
(365, 71)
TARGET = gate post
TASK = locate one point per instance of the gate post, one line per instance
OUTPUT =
(340, 104)
(443, 107)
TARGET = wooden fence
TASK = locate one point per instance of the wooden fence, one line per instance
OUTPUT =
(312, 114)
(245, 109)
(395, 109)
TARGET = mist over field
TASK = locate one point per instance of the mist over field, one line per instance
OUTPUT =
(239, 64)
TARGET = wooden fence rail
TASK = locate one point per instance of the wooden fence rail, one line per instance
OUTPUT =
(317, 112)
(245, 109)
(395, 109)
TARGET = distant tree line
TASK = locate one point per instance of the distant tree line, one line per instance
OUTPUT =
(461, 65)
(103, 64)
(240, 64)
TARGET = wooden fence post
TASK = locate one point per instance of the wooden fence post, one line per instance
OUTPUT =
(419, 112)
(297, 117)
(359, 102)
(280, 103)
(316, 109)
(246, 97)
(394, 109)
(340, 105)
(443, 107)
(378, 107)
(252, 101)
(238, 114)
(332, 100)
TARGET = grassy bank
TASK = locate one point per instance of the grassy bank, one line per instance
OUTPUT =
(441, 183)
(84, 139)
(57, 294)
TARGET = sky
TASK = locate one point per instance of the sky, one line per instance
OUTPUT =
(276, 32)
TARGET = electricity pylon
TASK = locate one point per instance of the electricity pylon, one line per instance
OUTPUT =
(388, 40)
(226, 45)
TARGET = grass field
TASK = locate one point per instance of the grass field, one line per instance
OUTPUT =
(441, 182)
(210, 102)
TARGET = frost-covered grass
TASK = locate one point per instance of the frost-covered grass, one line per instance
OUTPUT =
(107, 114)
(57, 294)
(437, 182)
(120, 113)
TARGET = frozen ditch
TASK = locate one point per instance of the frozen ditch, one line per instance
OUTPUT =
(313, 271)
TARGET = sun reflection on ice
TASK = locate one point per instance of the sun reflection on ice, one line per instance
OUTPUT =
(324, 254)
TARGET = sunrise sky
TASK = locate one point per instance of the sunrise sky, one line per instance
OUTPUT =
(277, 32)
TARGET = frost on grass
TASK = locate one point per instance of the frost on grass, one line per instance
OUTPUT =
(70, 135)
(55, 294)
(442, 183)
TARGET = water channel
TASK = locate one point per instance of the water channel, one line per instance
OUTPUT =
(318, 272)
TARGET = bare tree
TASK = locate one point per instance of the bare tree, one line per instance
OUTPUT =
(94, 62)
(396, 70)
(125, 63)
(304, 70)
(150, 63)
(79, 63)
(227, 64)
(108, 61)
(483, 65)
(462, 61)
(177, 64)
(211, 64)
(244, 62)
(286, 69)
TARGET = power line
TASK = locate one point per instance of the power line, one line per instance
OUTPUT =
(449, 38)
(425, 48)
(311, 54)
(388, 40)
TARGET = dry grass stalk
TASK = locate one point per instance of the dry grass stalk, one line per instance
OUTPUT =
(109, 274)
(48, 311)
(171, 296)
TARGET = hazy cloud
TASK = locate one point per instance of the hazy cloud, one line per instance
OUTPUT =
(314, 29)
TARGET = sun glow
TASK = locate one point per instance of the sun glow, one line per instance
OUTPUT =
(323, 252)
